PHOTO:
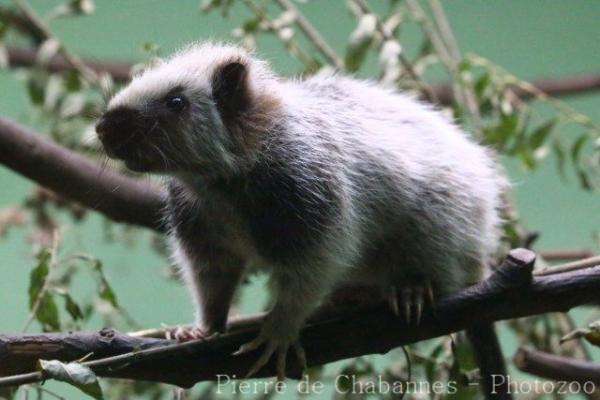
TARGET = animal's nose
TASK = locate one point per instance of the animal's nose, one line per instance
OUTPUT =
(116, 130)
(117, 124)
(102, 127)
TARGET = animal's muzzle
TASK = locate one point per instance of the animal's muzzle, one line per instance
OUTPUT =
(117, 129)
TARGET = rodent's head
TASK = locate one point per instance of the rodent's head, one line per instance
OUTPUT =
(203, 110)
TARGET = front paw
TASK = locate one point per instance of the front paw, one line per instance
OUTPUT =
(272, 346)
(188, 333)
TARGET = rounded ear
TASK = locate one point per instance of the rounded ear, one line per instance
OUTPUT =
(230, 89)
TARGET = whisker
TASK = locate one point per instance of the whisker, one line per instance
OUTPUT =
(161, 154)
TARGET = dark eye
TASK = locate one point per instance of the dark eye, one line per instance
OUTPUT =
(176, 103)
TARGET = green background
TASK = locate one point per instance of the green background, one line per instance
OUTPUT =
(532, 39)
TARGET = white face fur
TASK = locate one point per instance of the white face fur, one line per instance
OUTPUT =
(174, 117)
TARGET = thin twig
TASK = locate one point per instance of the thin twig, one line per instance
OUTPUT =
(234, 324)
(293, 47)
(445, 31)
(406, 65)
(30, 15)
(447, 53)
(430, 31)
(447, 36)
(566, 254)
(523, 89)
(26, 57)
(568, 267)
(312, 34)
(568, 325)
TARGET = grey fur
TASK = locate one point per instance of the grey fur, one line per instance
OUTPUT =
(344, 182)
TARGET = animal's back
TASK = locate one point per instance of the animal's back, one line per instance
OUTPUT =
(424, 197)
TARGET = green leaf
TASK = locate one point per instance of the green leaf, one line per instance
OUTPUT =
(105, 291)
(73, 373)
(355, 56)
(251, 25)
(464, 65)
(38, 276)
(527, 158)
(153, 49)
(481, 85)
(72, 307)
(512, 234)
(506, 128)
(559, 153)
(47, 313)
(577, 146)
(72, 80)
(225, 5)
(462, 368)
(584, 180)
(426, 48)
(36, 87)
(540, 134)
(431, 366)
(463, 355)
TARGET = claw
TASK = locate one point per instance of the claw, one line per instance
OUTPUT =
(262, 360)
(418, 304)
(281, 354)
(270, 349)
(406, 302)
(429, 292)
(412, 300)
(187, 333)
(301, 354)
(248, 347)
(393, 300)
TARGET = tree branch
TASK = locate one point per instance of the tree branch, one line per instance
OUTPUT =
(552, 366)
(555, 87)
(372, 329)
(566, 254)
(26, 57)
(117, 196)
(490, 360)
(22, 24)
(120, 72)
